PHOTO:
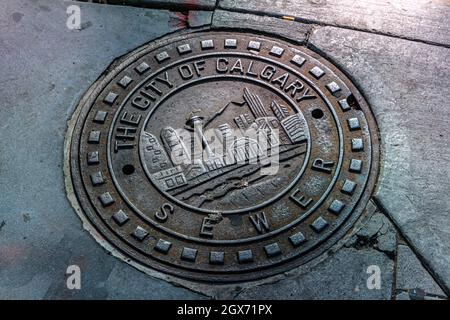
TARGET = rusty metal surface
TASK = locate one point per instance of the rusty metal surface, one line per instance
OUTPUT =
(212, 219)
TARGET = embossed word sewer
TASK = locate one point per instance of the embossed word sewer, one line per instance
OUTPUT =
(165, 171)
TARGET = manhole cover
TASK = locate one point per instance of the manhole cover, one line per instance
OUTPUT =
(222, 156)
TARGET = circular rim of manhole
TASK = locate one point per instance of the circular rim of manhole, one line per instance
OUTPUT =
(119, 187)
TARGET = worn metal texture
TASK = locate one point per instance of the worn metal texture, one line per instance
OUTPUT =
(421, 20)
(194, 211)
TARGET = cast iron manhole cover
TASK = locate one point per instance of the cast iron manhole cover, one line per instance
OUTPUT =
(222, 156)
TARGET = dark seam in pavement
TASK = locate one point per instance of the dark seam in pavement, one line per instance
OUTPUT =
(427, 294)
(186, 287)
(308, 21)
(308, 34)
(394, 276)
(424, 263)
(212, 18)
(361, 89)
(254, 29)
(307, 43)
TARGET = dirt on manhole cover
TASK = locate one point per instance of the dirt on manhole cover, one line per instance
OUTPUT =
(222, 156)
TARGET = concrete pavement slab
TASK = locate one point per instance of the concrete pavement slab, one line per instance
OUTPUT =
(423, 20)
(407, 84)
(46, 68)
(411, 275)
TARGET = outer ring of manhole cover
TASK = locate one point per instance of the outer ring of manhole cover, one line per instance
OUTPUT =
(155, 185)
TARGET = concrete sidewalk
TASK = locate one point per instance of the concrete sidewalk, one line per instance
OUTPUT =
(398, 56)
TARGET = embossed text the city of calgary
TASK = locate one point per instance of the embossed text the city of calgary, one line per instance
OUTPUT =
(158, 85)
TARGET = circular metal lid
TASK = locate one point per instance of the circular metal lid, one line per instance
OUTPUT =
(223, 156)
